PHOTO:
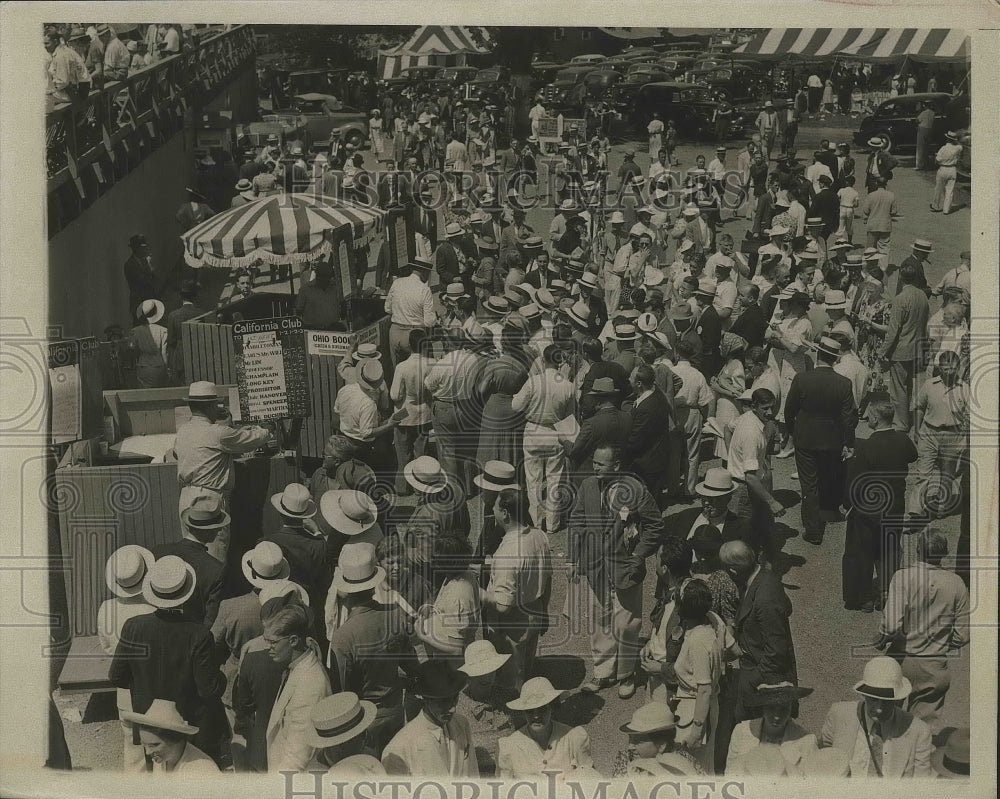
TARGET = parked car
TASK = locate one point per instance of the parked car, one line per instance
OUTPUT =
(455, 75)
(600, 81)
(323, 113)
(623, 93)
(566, 78)
(544, 60)
(896, 120)
(675, 65)
(736, 83)
(419, 73)
(632, 53)
(690, 106)
(486, 81)
(589, 58)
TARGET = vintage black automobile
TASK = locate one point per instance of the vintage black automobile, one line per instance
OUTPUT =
(895, 120)
(690, 106)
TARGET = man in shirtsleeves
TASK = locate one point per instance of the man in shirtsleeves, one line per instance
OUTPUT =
(206, 445)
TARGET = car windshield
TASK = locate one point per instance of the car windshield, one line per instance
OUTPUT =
(695, 95)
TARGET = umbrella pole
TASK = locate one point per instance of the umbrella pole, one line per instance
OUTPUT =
(291, 280)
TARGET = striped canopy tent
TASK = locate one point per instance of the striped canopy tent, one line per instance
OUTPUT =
(431, 45)
(279, 229)
(942, 45)
(867, 44)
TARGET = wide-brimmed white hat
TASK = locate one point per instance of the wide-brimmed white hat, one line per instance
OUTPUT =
(273, 589)
(295, 502)
(205, 513)
(579, 313)
(651, 717)
(588, 279)
(203, 391)
(163, 715)
(834, 300)
(339, 718)
(150, 311)
(169, 583)
(497, 476)
(264, 564)
(426, 475)
(717, 483)
(883, 679)
(357, 569)
(127, 568)
(536, 692)
(481, 657)
(348, 512)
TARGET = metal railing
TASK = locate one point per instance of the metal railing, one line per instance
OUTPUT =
(125, 120)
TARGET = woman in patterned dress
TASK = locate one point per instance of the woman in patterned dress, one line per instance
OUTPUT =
(872, 325)
(501, 435)
(789, 338)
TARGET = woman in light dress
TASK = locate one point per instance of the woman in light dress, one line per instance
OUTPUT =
(148, 339)
(655, 129)
(789, 337)
(381, 148)
(728, 385)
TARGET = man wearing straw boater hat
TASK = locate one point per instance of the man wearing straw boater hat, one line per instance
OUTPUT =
(124, 574)
(204, 545)
(339, 726)
(922, 248)
(300, 541)
(651, 732)
(441, 507)
(370, 646)
(206, 445)
(821, 416)
(881, 739)
(410, 305)
(238, 620)
(166, 738)
(453, 753)
(167, 656)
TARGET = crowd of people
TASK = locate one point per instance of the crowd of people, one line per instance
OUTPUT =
(568, 381)
(83, 56)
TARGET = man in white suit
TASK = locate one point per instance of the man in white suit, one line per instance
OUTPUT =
(305, 682)
(879, 737)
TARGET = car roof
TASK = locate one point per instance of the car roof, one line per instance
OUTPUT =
(912, 98)
(673, 84)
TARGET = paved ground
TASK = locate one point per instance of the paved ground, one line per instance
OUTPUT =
(831, 643)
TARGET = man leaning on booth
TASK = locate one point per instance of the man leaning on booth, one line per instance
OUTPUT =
(206, 445)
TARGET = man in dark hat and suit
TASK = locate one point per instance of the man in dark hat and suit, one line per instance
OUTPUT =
(607, 423)
(454, 752)
(821, 414)
(139, 274)
(646, 448)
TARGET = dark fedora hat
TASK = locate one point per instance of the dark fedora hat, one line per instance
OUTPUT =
(438, 681)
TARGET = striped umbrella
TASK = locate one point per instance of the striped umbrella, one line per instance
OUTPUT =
(278, 229)
(917, 44)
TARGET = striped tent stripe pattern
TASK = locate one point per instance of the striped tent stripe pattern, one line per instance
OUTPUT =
(441, 45)
(279, 229)
(918, 44)
(873, 44)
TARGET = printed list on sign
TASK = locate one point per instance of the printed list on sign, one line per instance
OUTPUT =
(264, 373)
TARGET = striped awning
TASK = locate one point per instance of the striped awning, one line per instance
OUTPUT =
(918, 44)
(872, 44)
(279, 229)
(430, 45)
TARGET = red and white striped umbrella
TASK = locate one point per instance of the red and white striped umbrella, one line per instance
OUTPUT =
(278, 229)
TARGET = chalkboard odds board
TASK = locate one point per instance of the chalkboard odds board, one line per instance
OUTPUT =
(271, 374)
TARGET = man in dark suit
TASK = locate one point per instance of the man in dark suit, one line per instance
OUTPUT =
(176, 318)
(302, 544)
(907, 329)
(164, 655)
(714, 494)
(708, 326)
(826, 206)
(822, 416)
(646, 450)
(614, 526)
(607, 425)
(880, 164)
(762, 629)
(139, 274)
(204, 545)
(593, 354)
(875, 495)
(751, 323)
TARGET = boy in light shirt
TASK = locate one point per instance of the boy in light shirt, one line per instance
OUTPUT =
(848, 197)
